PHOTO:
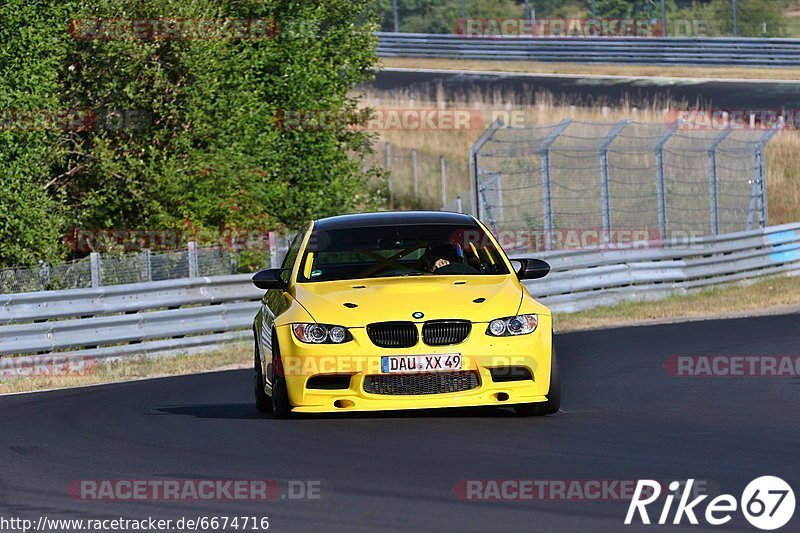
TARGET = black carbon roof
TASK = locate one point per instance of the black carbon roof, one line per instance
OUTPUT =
(392, 218)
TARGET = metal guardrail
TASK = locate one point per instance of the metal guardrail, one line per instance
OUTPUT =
(184, 314)
(123, 319)
(582, 280)
(638, 50)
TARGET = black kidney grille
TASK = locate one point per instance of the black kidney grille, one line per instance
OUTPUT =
(411, 384)
(393, 334)
(442, 332)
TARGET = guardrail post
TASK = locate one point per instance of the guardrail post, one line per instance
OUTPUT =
(94, 265)
(443, 172)
(544, 166)
(605, 197)
(148, 264)
(193, 267)
(660, 183)
(712, 179)
(414, 174)
(474, 167)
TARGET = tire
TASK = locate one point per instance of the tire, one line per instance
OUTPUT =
(281, 408)
(263, 402)
(553, 402)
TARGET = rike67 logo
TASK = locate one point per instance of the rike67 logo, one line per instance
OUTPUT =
(767, 503)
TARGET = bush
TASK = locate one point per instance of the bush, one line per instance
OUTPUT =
(207, 151)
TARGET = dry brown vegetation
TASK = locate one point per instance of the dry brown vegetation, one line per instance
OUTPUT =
(534, 67)
(782, 155)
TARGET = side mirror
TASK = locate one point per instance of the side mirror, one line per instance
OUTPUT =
(269, 279)
(532, 268)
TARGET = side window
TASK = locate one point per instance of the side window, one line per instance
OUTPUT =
(291, 255)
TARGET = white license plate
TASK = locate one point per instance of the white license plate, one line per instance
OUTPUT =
(420, 363)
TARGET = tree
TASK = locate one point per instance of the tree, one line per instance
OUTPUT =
(200, 145)
(30, 142)
(613, 9)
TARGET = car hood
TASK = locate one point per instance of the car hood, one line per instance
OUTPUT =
(356, 303)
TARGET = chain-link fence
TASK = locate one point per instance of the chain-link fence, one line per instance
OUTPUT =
(421, 180)
(606, 177)
(101, 269)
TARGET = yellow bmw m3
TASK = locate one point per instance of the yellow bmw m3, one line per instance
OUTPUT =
(402, 310)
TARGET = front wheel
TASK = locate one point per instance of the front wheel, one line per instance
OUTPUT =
(281, 408)
(553, 402)
(263, 402)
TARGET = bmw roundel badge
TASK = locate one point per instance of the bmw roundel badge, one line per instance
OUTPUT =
(417, 314)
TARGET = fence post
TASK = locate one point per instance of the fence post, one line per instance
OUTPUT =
(414, 174)
(273, 250)
(762, 167)
(605, 197)
(501, 215)
(443, 171)
(234, 257)
(483, 200)
(474, 169)
(148, 264)
(193, 267)
(389, 169)
(660, 183)
(544, 168)
(44, 275)
(94, 265)
(712, 179)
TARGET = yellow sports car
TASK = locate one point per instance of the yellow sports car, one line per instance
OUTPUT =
(402, 310)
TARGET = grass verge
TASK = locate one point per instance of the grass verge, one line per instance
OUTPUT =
(772, 294)
(234, 356)
(538, 67)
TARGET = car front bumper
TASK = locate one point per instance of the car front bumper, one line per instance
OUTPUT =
(359, 359)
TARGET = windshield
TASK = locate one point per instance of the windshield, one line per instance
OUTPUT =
(390, 251)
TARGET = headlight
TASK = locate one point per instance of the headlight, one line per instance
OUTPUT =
(512, 325)
(321, 333)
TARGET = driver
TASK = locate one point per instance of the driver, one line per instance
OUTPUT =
(440, 256)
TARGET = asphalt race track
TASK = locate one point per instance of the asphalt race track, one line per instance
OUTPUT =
(735, 95)
(624, 418)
